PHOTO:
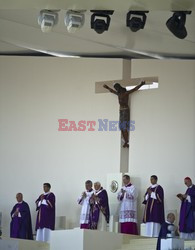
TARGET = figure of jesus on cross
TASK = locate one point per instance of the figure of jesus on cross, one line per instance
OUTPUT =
(123, 98)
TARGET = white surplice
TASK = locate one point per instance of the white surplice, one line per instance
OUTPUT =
(128, 208)
(84, 202)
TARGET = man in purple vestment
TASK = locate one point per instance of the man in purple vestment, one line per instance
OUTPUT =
(99, 207)
(154, 208)
(20, 226)
(187, 211)
(46, 214)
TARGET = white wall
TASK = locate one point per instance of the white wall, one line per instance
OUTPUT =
(34, 94)
(163, 142)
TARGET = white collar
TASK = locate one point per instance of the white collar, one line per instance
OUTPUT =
(168, 222)
(153, 186)
(190, 186)
(98, 191)
(20, 202)
(46, 193)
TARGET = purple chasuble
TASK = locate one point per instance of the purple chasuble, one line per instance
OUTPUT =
(46, 213)
(187, 212)
(97, 206)
(21, 227)
(154, 208)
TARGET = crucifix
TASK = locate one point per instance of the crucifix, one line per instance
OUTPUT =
(123, 88)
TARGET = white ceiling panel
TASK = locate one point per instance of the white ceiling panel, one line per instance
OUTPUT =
(20, 33)
(123, 5)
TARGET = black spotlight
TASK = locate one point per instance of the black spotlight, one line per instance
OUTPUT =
(176, 24)
(136, 20)
(100, 20)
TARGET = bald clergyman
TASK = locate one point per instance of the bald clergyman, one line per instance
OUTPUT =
(21, 226)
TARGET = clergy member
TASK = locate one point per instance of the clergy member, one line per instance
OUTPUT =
(168, 230)
(21, 226)
(154, 208)
(84, 202)
(99, 208)
(128, 207)
(187, 211)
(46, 214)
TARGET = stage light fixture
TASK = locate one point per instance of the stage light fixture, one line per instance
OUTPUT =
(100, 20)
(136, 20)
(176, 24)
(74, 20)
(47, 19)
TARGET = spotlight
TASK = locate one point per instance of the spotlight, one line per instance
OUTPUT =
(74, 20)
(136, 20)
(176, 24)
(100, 20)
(47, 19)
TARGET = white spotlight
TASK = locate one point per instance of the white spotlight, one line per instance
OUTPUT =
(47, 19)
(74, 20)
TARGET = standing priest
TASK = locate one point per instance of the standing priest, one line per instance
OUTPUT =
(46, 214)
(99, 208)
(154, 208)
(84, 202)
(21, 226)
(128, 207)
(187, 211)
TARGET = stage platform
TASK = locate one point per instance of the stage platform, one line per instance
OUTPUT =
(17, 244)
(77, 239)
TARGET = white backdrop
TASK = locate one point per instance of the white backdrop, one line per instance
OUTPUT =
(36, 92)
(163, 142)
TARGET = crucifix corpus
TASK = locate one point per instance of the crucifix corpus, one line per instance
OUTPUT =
(124, 118)
(123, 95)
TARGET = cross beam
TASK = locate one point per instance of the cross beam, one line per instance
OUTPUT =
(125, 81)
(130, 82)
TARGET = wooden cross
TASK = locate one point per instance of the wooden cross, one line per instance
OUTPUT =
(126, 81)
